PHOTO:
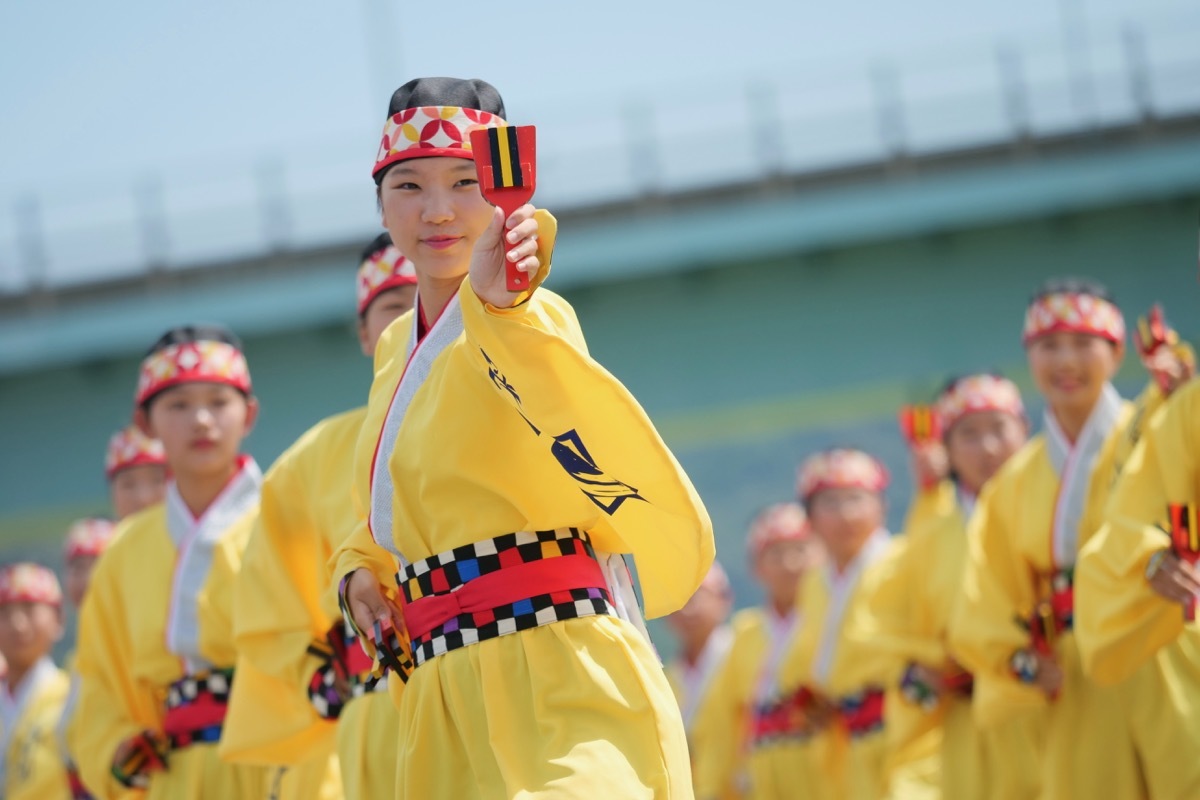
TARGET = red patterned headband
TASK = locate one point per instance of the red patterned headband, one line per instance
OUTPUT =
(131, 448)
(1072, 312)
(29, 583)
(979, 393)
(385, 270)
(88, 537)
(192, 362)
(430, 131)
(841, 469)
(781, 522)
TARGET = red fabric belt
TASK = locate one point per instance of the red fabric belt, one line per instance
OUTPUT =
(789, 717)
(863, 713)
(203, 712)
(506, 586)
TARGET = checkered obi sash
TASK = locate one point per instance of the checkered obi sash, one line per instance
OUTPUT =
(499, 586)
(196, 706)
(802, 714)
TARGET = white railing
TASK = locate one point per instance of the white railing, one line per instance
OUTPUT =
(800, 119)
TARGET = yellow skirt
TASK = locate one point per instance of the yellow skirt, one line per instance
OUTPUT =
(576, 709)
(1089, 748)
(196, 773)
(366, 744)
(317, 778)
(826, 767)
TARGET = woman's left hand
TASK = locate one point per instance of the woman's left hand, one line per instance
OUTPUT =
(491, 255)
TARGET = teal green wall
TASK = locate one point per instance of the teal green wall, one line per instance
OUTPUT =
(745, 368)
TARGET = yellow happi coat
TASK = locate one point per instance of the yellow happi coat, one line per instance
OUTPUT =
(1030, 522)
(825, 657)
(721, 736)
(159, 608)
(32, 766)
(909, 598)
(694, 686)
(503, 423)
(1126, 631)
(283, 602)
(931, 504)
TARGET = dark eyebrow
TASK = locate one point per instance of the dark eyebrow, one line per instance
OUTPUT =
(401, 169)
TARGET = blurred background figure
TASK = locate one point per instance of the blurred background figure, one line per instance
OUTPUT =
(86, 541)
(136, 468)
(731, 744)
(33, 690)
(703, 639)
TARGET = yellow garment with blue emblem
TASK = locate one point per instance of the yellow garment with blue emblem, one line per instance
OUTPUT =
(515, 428)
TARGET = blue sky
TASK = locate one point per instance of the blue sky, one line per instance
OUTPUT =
(94, 96)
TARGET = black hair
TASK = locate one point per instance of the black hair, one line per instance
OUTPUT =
(377, 245)
(463, 93)
(185, 334)
(1084, 286)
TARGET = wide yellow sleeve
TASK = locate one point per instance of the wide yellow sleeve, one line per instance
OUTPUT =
(997, 590)
(612, 459)
(930, 504)
(886, 621)
(112, 706)
(1120, 623)
(278, 614)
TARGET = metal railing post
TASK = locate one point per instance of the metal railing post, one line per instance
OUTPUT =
(31, 242)
(1013, 94)
(152, 222)
(889, 109)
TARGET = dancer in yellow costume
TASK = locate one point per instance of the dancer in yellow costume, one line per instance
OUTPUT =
(86, 540)
(156, 655)
(1013, 628)
(136, 468)
(297, 670)
(704, 641)
(33, 692)
(831, 698)
(1132, 588)
(910, 595)
(729, 748)
(508, 472)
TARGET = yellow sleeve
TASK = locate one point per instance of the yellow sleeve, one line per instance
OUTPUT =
(277, 599)
(1120, 623)
(611, 456)
(885, 622)
(930, 504)
(997, 591)
(112, 706)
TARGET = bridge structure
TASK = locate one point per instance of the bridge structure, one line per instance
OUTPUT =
(769, 283)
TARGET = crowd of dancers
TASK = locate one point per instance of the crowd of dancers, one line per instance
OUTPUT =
(429, 596)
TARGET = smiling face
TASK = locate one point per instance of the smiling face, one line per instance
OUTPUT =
(201, 426)
(1071, 370)
(434, 212)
